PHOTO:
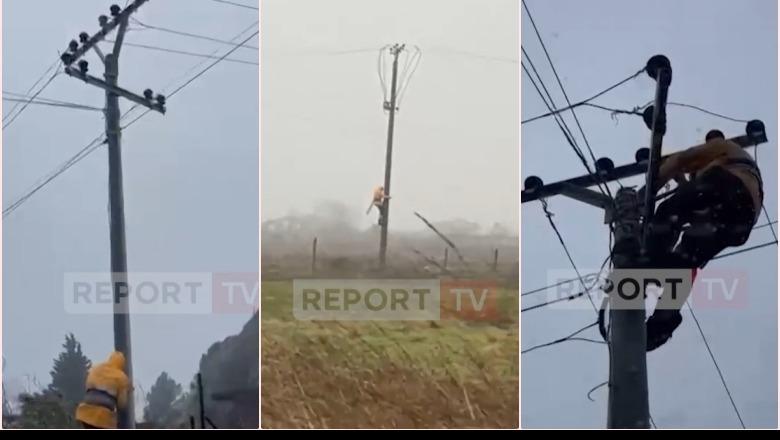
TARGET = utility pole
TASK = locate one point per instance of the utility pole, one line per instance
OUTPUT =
(395, 50)
(628, 405)
(121, 306)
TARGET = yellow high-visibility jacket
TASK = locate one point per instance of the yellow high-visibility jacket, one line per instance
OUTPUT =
(106, 391)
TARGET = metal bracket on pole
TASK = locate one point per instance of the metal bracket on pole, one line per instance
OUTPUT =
(140, 100)
(590, 197)
(535, 189)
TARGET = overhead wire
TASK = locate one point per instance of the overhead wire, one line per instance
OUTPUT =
(92, 146)
(717, 367)
(26, 104)
(563, 89)
(189, 34)
(40, 78)
(54, 104)
(240, 5)
(184, 52)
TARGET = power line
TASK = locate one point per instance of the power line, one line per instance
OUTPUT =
(551, 106)
(188, 71)
(61, 169)
(54, 104)
(541, 289)
(46, 84)
(717, 367)
(222, 58)
(188, 82)
(550, 286)
(557, 300)
(473, 55)
(92, 146)
(574, 296)
(184, 52)
(240, 5)
(763, 207)
(39, 98)
(40, 78)
(189, 34)
(703, 110)
(585, 101)
(740, 251)
(560, 84)
(564, 339)
(559, 119)
(566, 250)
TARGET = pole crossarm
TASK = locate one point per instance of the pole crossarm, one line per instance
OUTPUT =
(140, 100)
(621, 172)
(69, 58)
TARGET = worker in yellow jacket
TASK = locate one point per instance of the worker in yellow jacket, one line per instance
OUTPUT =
(107, 390)
(720, 205)
(377, 201)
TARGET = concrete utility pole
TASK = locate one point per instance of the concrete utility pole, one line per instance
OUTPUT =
(628, 405)
(121, 310)
(395, 50)
(628, 390)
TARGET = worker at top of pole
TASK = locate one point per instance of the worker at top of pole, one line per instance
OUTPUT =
(377, 200)
(107, 389)
(715, 208)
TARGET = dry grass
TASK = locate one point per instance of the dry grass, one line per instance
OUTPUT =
(442, 374)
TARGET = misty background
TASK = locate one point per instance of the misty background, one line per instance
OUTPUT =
(324, 130)
(724, 58)
(190, 182)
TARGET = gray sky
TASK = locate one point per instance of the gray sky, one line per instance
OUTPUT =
(191, 181)
(324, 131)
(724, 58)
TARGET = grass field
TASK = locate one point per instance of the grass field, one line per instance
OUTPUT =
(358, 374)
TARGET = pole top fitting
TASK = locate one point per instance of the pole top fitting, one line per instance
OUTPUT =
(660, 69)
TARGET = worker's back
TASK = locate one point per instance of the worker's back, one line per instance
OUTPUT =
(738, 162)
(106, 391)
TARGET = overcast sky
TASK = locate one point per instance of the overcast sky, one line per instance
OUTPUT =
(190, 181)
(324, 131)
(724, 58)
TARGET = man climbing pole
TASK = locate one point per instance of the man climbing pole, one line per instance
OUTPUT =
(107, 388)
(715, 208)
(378, 201)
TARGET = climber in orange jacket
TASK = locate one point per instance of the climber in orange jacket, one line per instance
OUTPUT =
(107, 391)
(378, 201)
(721, 204)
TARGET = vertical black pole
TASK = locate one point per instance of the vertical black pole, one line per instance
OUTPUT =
(660, 69)
(396, 50)
(200, 403)
(314, 256)
(628, 405)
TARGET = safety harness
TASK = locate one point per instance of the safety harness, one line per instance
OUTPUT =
(98, 397)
